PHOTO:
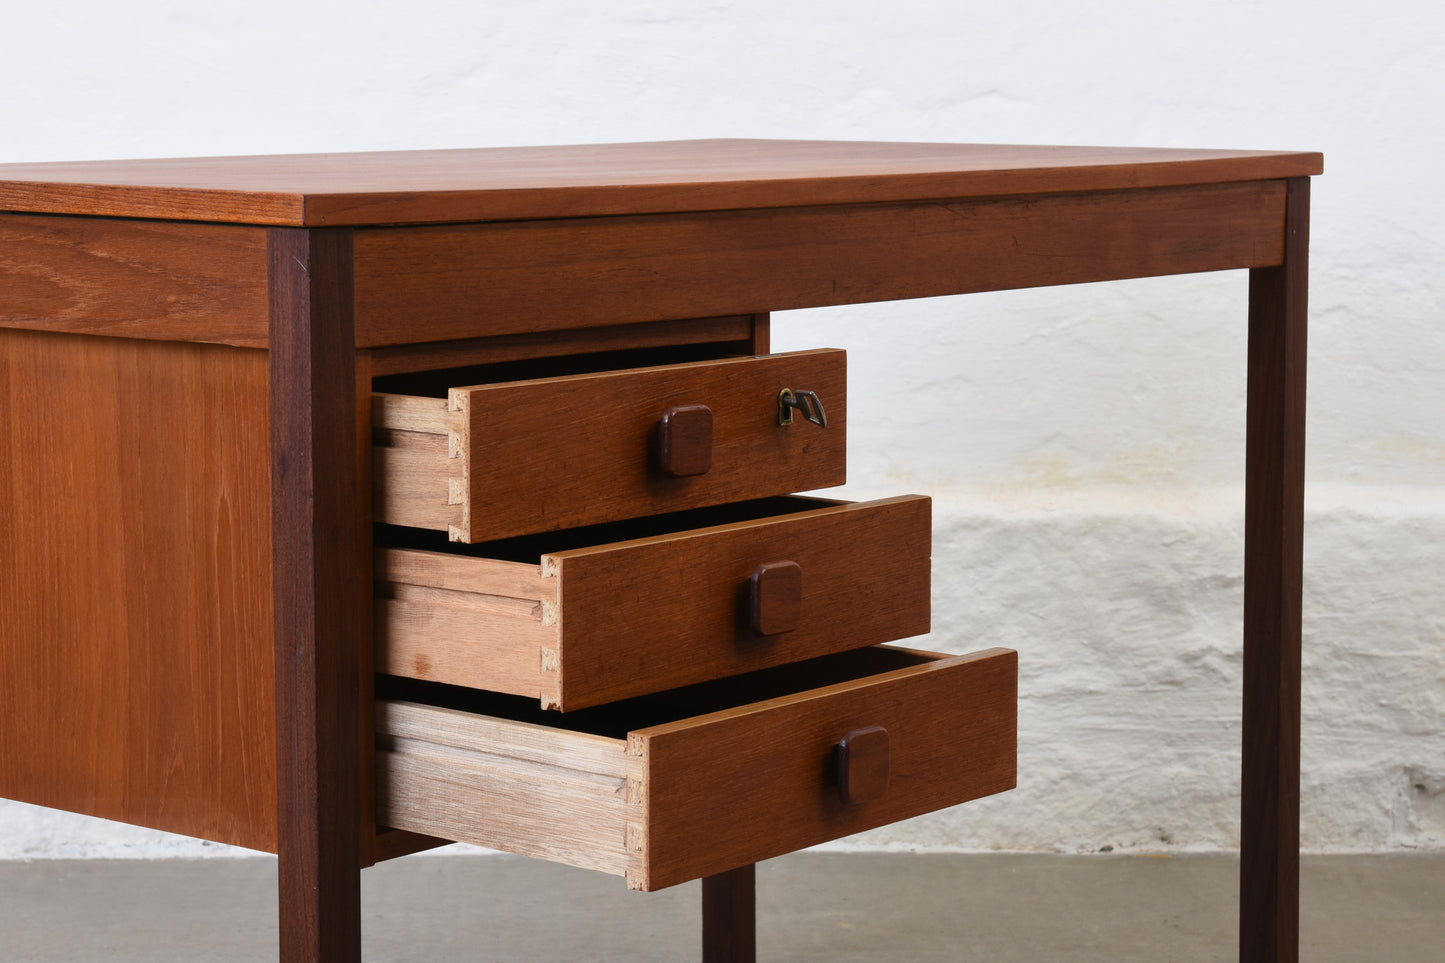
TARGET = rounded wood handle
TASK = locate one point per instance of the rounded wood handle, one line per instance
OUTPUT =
(775, 598)
(863, 764)
(684, 441)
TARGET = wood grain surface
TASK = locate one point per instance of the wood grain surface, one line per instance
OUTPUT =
(491, 279)
(729, 923)
(134, 279)
(740, 786)
(511, 183)
(551, 453)
(452, 638)
(318, 594)
(525, 788)
(1273, 565)
(136, 668)
(661, 612)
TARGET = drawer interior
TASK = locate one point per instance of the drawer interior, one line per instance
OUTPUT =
(616, 719)
(531, 548)
(436, 383)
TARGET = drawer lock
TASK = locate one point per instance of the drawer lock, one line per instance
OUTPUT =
(806, 402)
(863, 764)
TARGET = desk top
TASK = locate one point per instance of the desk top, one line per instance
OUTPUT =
(522, 183)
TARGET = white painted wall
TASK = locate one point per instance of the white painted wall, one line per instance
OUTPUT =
(1084, 444)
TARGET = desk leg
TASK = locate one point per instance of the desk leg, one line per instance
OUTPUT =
(1274, 532)
(315, 545)
(729, 934)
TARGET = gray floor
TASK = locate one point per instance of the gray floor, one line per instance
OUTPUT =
(811, 907)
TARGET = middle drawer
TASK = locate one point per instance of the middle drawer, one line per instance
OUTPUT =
(589, 616)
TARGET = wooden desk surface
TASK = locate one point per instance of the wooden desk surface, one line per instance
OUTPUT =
(731, 228)
(518, 183)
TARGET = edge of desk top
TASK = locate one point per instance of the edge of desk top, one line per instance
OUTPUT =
(524, 183)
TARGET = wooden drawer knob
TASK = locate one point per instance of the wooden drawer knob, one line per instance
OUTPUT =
(775, 598)
(863, 764)
(685, 440)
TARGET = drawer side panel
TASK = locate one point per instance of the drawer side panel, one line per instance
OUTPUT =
(413, 486)
(460, 646)
(565, 796)
(476, 622)
(564, 815)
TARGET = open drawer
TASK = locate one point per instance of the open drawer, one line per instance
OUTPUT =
(588, 616)
(497, 460)
(697, 781)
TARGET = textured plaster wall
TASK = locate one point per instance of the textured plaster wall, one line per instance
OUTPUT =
(1084, 444)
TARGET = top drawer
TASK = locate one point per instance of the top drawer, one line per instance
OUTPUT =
(497, 460)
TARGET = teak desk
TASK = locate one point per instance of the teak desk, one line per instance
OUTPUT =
(219, 376)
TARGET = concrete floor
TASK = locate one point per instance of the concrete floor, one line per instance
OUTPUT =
(811, 907)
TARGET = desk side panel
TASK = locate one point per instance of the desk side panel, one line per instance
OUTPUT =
(136, 666)
(134, 279)
(466, 280)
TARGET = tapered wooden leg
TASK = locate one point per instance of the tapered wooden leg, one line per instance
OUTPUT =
(1274, 530)
(729, 932)
(317, 602)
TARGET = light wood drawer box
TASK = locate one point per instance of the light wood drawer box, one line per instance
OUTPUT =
(510, 458)
(671, 787)
(610, 619)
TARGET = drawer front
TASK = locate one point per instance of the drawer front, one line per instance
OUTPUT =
(608, 622)
(495, 461)
(695, 796)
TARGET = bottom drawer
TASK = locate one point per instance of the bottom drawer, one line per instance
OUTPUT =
(696, 781)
